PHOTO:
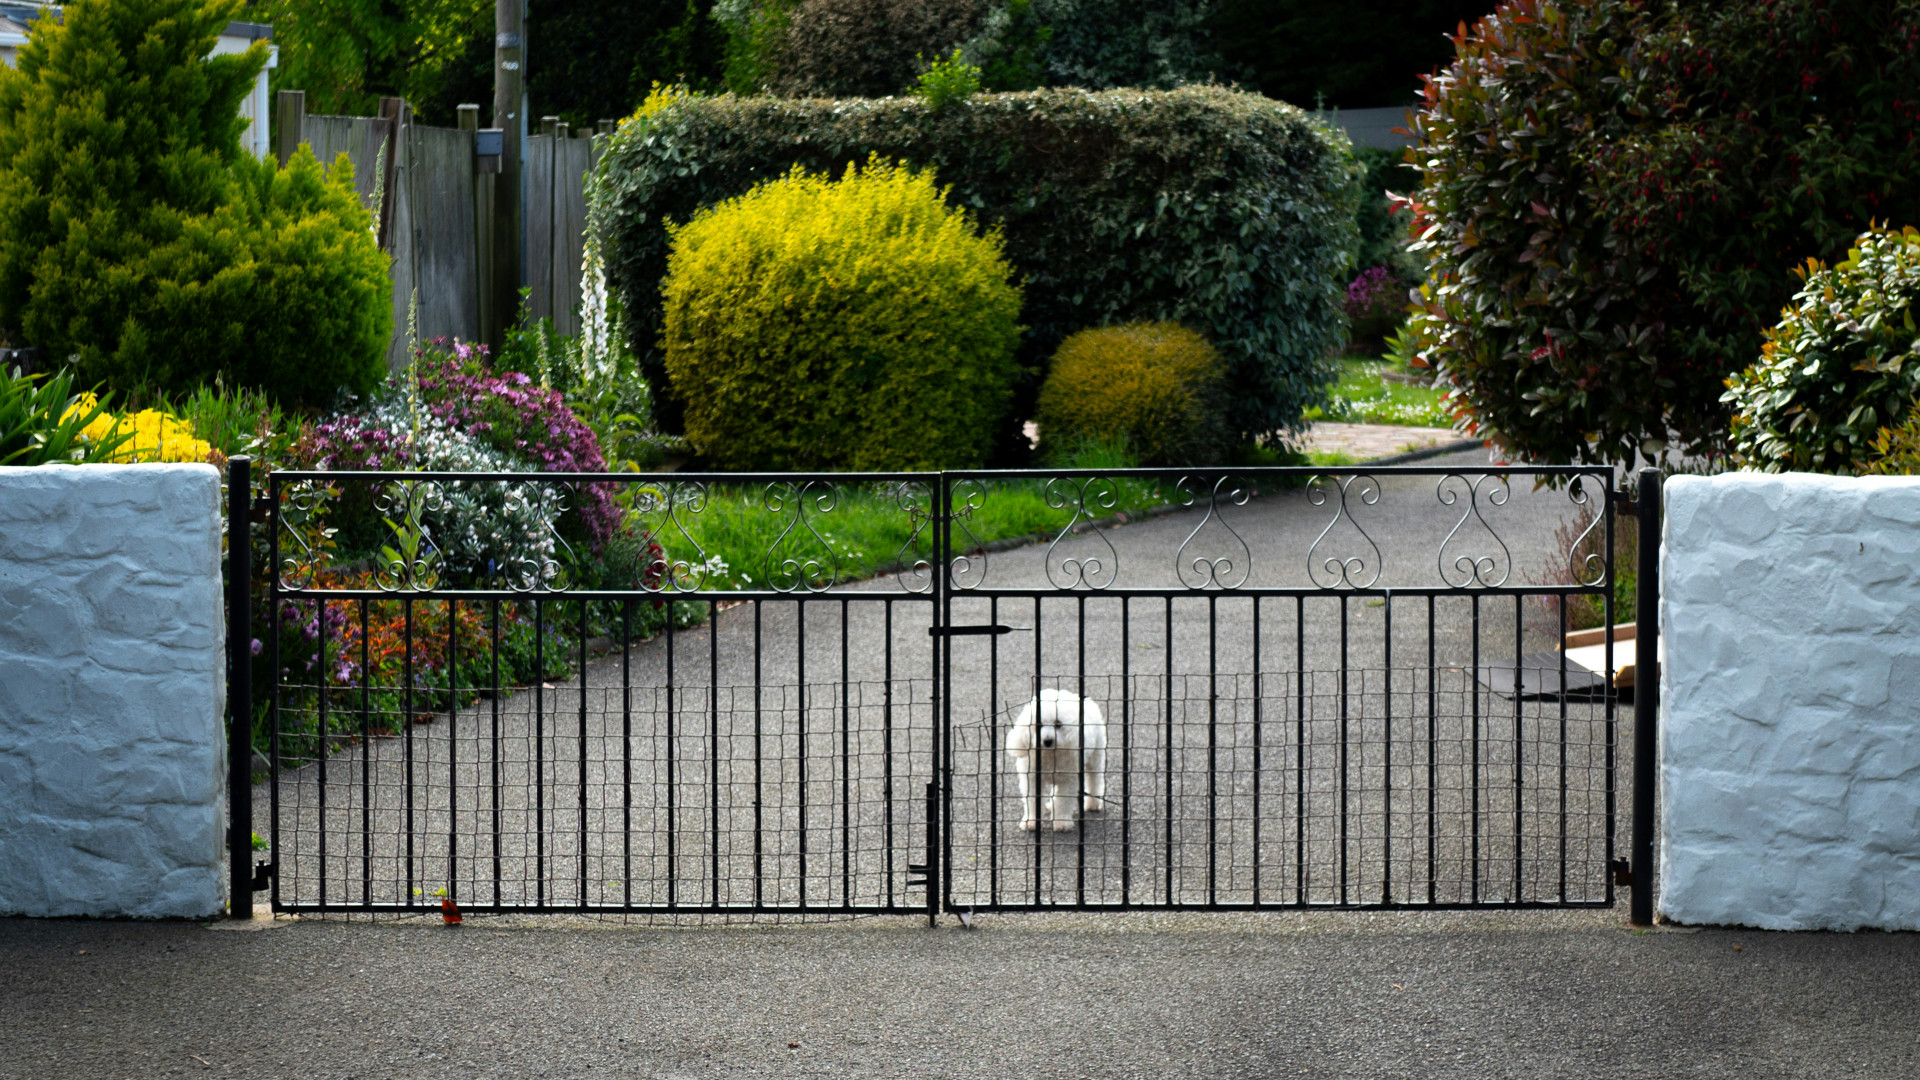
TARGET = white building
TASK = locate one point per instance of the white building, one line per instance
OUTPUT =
(16, 22)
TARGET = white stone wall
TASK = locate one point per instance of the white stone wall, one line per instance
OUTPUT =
(112, 679)
(1790, 734)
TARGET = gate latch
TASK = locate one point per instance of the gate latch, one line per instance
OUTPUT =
(262, 876)
(917, 876)
(1622, 873)
(967, 631)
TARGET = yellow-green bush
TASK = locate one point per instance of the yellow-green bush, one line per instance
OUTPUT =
(1157, 385)
(851, 323)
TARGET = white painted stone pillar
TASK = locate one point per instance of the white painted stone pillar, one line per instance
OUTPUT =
(112, 680)
(1790, 740)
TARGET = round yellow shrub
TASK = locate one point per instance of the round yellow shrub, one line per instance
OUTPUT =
(1157, 386)
(853, 323)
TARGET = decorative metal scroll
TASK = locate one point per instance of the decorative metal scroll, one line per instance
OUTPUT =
(1471, 569)
(1214, 571)
(680, 563)
(1331, 569)
(305, 536)
(1084, 496)
(915, 500)
(968, 569)
(540, 565)
(410, 560)
(1589, 569)
(800, 559)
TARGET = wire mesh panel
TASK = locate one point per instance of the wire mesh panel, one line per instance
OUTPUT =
(1300, 696)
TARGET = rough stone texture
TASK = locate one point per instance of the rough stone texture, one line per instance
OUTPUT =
(1790, 735)
(112, 675)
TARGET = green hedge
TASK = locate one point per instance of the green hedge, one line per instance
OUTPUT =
(1220, 210)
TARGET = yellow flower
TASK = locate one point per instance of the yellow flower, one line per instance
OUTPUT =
(157, 436)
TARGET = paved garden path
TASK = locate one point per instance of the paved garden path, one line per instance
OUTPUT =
(1368, 442)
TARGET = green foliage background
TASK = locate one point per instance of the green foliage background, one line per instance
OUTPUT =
(139, 240)
(1615, 193)
(1842, 363)
(1220, 210)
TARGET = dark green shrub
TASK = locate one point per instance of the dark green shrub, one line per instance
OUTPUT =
(1895, 451)
(852, 323)
(1614, 193)
(138, 238)
(866, 48)
(1843, 362)
(1157, 387)
(1355, 54)
(1219, 210)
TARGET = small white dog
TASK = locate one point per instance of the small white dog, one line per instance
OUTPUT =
(1058, 742)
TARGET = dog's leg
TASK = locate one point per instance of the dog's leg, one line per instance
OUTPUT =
(1061, 801)
(1023, 765)
(1096, 780)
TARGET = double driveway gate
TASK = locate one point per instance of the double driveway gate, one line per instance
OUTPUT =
(688, 693)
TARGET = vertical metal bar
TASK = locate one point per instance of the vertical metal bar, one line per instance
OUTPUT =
(940, 786)
(1519, 756)
(1126, 751)
(1033, 760)
(539, 753)
(1433, 759)
(759, 845)
(1562, 638)
(582, 761)
(1646, 692)
(713, 745)
(1344, 732)
(366, 761)
(494, 753)
(1257, 711)
(1386, 829)
(993, 754)
(1080, 772)
(846, 762)
(800, 651)
(626, 749)
(320, 743)
(673, 777)
(886, 744)
(1169, 754)
(273, 694)
(240, 687)
(1300, 751)
(453, 747)
(406, 727)
(1213, 748)
(1611, 708)
(1473, 776)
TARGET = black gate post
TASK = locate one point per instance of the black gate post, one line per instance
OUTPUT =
(1646, 691)
(239, 688)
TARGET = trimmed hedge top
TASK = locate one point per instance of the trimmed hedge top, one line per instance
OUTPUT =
(1221, 210)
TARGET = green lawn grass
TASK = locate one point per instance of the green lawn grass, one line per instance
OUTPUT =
(779, 536)
(1362, 396)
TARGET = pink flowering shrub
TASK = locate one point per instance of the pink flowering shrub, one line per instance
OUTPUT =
(1375, 304)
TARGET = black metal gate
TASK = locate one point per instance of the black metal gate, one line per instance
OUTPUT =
(1316, 688)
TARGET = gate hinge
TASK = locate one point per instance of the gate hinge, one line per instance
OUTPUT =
(1622, 873)
(262, 876)
(963, 631)
(262, 508)
(917, 876)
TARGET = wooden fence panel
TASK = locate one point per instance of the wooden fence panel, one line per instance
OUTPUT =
(442, 236)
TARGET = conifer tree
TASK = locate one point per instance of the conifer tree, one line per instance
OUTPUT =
(140, 242)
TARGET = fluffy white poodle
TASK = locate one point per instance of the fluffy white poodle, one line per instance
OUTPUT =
(1059, 743)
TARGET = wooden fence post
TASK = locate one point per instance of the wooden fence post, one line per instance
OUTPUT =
(289, 124)
(482, 208)
(508, 103)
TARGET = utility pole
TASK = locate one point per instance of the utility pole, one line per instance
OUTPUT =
(509, 81)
